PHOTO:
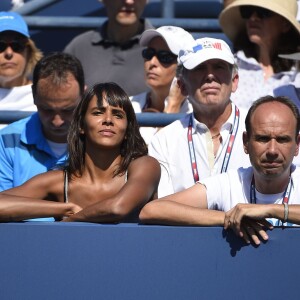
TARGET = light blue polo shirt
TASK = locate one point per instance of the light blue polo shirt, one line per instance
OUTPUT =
(24, 152)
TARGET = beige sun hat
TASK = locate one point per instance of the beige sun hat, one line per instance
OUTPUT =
(293, 56)
(232, 23)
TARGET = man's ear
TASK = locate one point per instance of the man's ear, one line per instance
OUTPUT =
(182, 87)
(297, 147)
(235, 82)
(245, 142)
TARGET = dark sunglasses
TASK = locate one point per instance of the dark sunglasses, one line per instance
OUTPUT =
(16, 46)
(248, 10)
(164, 57)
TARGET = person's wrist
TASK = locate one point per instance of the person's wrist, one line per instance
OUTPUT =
(286, 212)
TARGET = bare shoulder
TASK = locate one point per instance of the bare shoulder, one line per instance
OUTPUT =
(145, 161)
(144, 166)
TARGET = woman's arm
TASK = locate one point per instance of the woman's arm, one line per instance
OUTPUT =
(143, 179)
(27, 200)
(17, 208)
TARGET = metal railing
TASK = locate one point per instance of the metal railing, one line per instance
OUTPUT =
(74, 22)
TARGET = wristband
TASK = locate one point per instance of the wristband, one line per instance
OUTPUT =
(286, 212)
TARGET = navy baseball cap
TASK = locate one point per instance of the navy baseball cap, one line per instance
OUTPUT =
(14, 22)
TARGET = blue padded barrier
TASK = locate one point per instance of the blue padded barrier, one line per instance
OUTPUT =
(144, 119)
(129, 261)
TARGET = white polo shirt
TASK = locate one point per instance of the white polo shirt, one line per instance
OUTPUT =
(171, 148)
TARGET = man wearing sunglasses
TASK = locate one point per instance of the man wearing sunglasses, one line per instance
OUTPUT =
(18, 56)
(208, 141)
(112, 52)
(260, 30)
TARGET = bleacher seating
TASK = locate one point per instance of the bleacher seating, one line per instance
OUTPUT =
(53, 23)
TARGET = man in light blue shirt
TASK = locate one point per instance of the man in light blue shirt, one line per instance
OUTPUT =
(39, 143)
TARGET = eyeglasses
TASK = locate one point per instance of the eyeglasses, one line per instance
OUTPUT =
(16, 46)
(248, 10)
(164, 57)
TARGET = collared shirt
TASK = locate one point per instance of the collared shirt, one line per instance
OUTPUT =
(24, 152)
(252, 84)
(104, 60)
(170, 147)
(139, 102)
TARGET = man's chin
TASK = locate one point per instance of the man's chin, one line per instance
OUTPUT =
(127, 19)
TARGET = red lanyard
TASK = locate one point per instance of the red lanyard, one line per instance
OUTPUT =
(227, 155)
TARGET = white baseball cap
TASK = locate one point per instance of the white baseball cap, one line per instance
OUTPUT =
(205, 49)
(175, 37)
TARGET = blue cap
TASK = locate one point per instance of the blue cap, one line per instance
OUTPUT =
(14, 22)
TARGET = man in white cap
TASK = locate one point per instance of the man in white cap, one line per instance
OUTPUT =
(209, 140)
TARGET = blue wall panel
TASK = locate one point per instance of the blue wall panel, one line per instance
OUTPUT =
(128, 261)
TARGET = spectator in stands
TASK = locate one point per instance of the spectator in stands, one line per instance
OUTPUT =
(245, 199)
(38, 143)
(291, 90)
(112, 53)
(160, 63)
(109, 174)
(259, 31)
(208, 141)
(18, 57)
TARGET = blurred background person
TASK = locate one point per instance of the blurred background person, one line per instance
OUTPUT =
(291, 90)
(160, 64)
(18, 57)
(112, 52)
(259, 31)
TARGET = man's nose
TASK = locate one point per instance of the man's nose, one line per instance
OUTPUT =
(57, 120)
(272, 147)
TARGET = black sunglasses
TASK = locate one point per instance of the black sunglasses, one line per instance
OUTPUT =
(164, 57)
(248, 10)
(16, 46)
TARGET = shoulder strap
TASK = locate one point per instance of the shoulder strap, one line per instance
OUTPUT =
(66, 183)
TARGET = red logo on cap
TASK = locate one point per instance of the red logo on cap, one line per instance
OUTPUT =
(217, 46)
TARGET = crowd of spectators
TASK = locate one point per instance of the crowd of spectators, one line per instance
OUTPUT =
(83, 152)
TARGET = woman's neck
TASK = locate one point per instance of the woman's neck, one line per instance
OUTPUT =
(20, 81)
(265, 61)
(102, 163)
(156, 99)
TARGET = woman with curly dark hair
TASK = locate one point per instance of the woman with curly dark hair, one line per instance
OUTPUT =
(109, 176)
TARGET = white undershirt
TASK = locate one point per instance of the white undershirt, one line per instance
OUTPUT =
(57, 148)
